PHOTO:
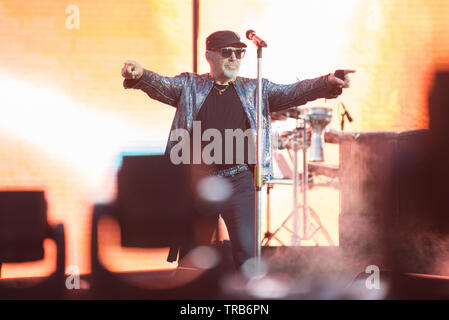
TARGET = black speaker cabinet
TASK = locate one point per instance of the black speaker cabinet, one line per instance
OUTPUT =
(393, 208)
(367, 196)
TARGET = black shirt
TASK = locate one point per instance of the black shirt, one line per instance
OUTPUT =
(223, 110)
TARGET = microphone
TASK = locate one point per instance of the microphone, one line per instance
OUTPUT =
(346, 112)
(251, 35)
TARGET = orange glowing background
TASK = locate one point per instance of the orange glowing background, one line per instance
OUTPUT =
(65, 117)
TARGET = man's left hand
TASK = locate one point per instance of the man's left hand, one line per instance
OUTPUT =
(341, 83)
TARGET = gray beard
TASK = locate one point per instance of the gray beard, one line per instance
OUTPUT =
(231, 74)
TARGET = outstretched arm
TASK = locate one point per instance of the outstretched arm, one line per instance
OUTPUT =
(164, 89)
(283, 97)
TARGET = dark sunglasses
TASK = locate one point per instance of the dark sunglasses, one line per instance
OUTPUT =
(227, 52)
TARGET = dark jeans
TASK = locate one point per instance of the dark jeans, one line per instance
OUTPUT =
(238, 213)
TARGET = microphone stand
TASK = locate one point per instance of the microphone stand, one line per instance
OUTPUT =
(258, 176)
(259, 163)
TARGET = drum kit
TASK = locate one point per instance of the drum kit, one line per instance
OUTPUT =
(309, 132)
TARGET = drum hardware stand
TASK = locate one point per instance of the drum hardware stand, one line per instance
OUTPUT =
(298, 143)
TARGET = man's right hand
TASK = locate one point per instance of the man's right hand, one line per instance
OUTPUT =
(132, 70)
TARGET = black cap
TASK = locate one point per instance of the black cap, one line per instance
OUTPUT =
(225, 38)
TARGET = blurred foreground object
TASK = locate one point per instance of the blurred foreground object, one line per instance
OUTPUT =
(23, 228)
(155, 208)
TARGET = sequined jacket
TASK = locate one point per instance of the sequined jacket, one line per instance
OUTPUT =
(188, 91)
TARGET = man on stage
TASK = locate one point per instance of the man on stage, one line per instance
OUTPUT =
(222, 100)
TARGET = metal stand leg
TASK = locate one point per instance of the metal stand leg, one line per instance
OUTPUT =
(313, 214)
(268, 235)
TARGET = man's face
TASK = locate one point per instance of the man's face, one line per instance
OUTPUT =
(225, 62)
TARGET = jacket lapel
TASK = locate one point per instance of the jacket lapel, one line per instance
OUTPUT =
(246, 96)
(204, 86)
